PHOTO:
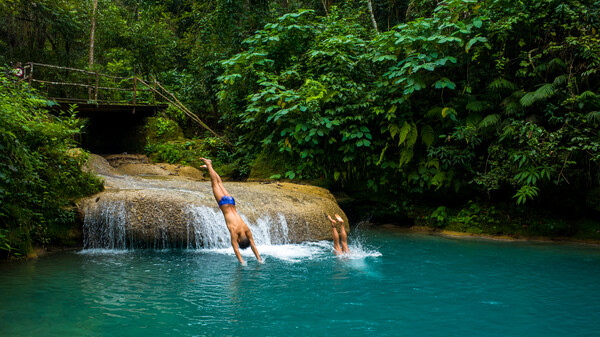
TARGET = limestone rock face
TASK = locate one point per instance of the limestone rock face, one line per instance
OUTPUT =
(164, 210)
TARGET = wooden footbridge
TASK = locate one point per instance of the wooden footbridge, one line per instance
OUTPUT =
(114, 100)
(94, 92)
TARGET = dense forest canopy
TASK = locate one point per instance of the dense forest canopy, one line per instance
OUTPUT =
(415, 102)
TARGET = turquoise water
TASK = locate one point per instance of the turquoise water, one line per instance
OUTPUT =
(393, 284)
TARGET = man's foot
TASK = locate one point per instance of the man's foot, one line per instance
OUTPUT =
(332, 221)
(339, 218)
(207, 162)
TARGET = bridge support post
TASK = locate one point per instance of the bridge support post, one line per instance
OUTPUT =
(134, 92)
(30, 73)
(96, 89)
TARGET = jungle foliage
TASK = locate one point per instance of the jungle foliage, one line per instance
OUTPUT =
(459, 101)
(445, 102)
(40, 171)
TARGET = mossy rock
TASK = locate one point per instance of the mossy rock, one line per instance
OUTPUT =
(264, 167)
(160, 129)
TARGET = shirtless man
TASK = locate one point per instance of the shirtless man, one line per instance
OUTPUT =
(241, 237)
(336, 238)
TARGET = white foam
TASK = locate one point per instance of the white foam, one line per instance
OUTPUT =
(358, 251)
(104, 251)
(299, 252)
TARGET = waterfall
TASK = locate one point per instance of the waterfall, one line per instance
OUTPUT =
(108, 224)
(104, 226)
(148, 206)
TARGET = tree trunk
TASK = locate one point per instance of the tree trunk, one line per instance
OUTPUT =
(370, 5)
(92, 32)
(326, 5)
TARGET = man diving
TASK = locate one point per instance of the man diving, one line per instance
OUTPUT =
(241, 237)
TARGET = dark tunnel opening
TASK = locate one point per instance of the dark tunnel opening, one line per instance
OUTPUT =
(114, 134)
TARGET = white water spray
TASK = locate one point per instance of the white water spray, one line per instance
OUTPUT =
(104, 226)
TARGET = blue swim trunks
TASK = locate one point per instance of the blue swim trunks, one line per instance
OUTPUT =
(226, 200)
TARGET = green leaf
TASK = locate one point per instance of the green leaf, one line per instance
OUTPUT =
(394, 130)
(476, 106)
(490, 120)
(413, 135)
(502, 84)
(404, 132)
(473, 41)
(382, 153)
(427, 135)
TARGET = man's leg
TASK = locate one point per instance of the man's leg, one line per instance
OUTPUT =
(344, 240)
(343, 234)
(216, 182)
(336, 236)
(336, 240)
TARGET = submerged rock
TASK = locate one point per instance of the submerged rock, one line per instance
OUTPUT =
(165, 210)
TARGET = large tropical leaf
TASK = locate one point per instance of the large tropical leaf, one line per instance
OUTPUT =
(501, 84)
(476, 106)
(489, 121)
(427, 135)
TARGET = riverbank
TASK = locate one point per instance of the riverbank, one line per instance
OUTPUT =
(465, 235)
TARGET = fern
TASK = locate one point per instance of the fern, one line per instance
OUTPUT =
(394, 130)
(559, 80)
(438, 179)
(413, 135)
(432, 162)
(511, 103)
(473, 119)
(540, 68)
(427, 136)
(593, 117)
(405, 156)
(403, 133)
(490, 120)
(434, 112)
(542, 93)
(507, 132)
(528, 99)
(382, 153)
(545, 91)
(477, 106)
(556, 64)
(586, 94)
(500, 84)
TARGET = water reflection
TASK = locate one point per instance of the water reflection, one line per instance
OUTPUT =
(468, 288)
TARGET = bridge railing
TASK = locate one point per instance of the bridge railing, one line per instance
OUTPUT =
(84, 86)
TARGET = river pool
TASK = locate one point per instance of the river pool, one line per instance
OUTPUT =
(392, 284)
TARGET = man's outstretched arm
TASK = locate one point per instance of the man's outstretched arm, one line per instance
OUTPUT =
(236, 250)
(254, 250)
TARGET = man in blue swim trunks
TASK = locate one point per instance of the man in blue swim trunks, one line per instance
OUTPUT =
(241, 237)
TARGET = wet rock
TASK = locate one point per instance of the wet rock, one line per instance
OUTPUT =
(157, 207)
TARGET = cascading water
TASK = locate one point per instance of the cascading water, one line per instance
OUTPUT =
(174, 212)
(207, 228)
(106, 226)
